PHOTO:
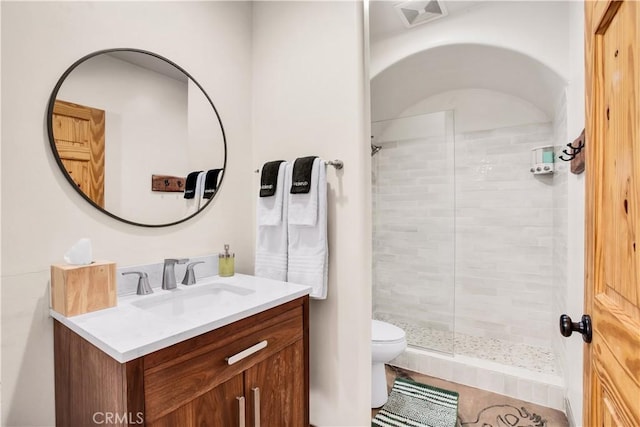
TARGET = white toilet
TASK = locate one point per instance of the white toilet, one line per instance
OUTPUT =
(387, 343)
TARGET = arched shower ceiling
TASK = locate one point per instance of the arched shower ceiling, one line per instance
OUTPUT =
(464, 66)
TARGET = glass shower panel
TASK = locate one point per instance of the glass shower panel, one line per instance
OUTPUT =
(414, 227)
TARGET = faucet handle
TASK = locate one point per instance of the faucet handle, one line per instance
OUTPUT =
(189, 274)
(144, 288)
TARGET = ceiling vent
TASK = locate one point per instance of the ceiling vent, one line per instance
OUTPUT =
(414, 12)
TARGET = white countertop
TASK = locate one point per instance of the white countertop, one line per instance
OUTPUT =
(126, 332)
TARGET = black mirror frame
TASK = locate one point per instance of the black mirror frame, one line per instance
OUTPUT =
(54, 149)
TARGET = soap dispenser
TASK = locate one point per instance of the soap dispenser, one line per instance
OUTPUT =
(226, 263)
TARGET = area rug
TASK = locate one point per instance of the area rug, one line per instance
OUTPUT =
(481, 408)
(412, 404)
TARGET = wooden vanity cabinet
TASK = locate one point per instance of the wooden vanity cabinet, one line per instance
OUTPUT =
(192, 383)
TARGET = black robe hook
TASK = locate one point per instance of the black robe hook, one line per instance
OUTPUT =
(574, 150)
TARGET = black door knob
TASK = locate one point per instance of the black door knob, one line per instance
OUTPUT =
(567, 327)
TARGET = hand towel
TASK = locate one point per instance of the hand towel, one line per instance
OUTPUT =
(303, 207)
(271, 234)
(200, 189)
(308, 257)
(211, 183)
(190, 185)
(271, 209)
(269, 178)
(301, 177)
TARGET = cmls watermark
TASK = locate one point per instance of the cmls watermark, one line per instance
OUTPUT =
(107, 418)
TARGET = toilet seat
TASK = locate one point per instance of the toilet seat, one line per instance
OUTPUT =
(383, 332)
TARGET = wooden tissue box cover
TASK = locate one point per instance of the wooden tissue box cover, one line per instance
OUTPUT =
(78, 289)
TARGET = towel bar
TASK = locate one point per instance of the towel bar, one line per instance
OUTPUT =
(338, 164)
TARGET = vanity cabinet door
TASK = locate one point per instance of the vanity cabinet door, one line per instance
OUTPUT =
(177, 375)
(217, 407)
(275, 389)
(273, 392)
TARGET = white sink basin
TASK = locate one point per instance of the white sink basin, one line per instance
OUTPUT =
(191, 300)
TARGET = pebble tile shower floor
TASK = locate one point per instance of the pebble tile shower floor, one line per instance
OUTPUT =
(536, 359)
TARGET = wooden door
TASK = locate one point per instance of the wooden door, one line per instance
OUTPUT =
(217, 407)
(612, 288)
(78, 132)
(279, 382)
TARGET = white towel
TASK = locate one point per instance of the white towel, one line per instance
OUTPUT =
(193, 205)
(303, 207)
(271, 235)
(270, 208)
(308, 249)
(200, 189)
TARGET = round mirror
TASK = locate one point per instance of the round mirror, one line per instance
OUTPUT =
(137, 137)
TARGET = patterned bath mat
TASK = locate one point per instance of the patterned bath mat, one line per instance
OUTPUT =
(412, 404)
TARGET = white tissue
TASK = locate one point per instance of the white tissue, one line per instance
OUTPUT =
(79, 253)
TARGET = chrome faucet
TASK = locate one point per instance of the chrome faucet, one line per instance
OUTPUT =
(169, 272)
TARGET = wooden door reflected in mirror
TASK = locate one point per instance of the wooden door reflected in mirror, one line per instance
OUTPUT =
(78, 132)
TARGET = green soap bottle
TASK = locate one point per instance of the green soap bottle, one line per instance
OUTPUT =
(226, 263)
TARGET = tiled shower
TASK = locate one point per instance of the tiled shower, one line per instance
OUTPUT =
(463, 246)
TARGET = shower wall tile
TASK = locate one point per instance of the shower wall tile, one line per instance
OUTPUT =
(413, 252)
(479, 218)
(504, 236)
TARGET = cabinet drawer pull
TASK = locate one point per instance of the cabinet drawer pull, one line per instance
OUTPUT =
(256, 406)
(241, 419)
(246, 353)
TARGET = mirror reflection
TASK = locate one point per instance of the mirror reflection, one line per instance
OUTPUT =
(128, 128)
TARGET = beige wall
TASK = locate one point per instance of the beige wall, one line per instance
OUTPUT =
(42, 215)
(308, 99)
